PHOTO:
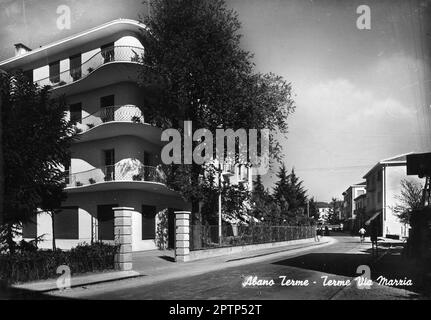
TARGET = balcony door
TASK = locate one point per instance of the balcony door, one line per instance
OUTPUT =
(109, 156)
(54, 72)
(75, 113)
(107, 108)
(108, 52)
(75, 67)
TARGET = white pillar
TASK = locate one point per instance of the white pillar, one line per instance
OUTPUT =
(182, 236)
(123, 236)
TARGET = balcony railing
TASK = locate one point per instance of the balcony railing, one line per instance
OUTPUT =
(116, 53)
(124, 113)
(118, 172)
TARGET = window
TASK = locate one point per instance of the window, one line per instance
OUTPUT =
(76, 113)
(29, 75)
(379, 175)
(379, 197)
(148, 222)
(66, 223)
(54, 72)
(105, 218)
(108, 52)
(29, 229)
(75, 67)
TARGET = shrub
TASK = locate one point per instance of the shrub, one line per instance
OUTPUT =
(42, 264)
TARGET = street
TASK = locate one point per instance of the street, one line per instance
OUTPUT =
(328, 271)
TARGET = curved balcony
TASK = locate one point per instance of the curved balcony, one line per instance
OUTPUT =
(115, 121)
(126, 172)
(124, 113)
(105, 56)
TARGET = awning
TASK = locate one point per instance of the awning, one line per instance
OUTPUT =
(367, 223)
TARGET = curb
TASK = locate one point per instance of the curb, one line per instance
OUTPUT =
(51, 285)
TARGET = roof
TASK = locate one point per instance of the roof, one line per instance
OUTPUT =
(73, 41)
(400, 159)
(364, 195)
(362, 184)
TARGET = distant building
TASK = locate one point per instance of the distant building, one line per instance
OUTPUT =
(360, 204)
(349, 196)
(324, 210)
(383, 187)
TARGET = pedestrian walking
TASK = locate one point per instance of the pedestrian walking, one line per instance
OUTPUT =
(316, 233)
(362, 232)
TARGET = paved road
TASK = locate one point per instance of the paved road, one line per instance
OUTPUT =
(337, 263)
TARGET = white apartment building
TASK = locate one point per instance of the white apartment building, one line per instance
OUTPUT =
(383, 187)
(115, 162)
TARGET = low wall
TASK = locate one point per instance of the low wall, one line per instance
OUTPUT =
(208, 253)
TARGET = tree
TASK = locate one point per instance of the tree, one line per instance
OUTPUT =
(335, 211)
(282, 188)
(290, 193)
(199, 72)
(409, 199)
(36, 141)
(263, 206)
(313, 210)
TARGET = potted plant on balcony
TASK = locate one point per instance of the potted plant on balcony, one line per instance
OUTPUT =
(136, 119)
(90, 70)
(90, 125)
(92, 181)
(79, 184)
(137, 177)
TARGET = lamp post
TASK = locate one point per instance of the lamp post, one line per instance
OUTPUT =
(219, 206)
(1, 158)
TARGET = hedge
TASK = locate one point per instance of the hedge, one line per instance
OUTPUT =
(43, 264)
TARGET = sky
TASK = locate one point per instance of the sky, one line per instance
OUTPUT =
(360, 95)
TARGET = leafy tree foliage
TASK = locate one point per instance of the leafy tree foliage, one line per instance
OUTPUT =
(198, 71)
(409, 199)
(36, 141)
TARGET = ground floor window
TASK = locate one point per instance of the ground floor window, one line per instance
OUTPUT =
(66, 223)
(105, 218)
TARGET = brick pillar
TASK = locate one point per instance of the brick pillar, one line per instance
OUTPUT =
(123, 236)
(182, 236)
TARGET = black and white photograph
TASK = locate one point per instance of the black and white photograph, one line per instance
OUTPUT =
(231, 151)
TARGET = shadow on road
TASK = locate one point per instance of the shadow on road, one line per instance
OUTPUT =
(389, 263)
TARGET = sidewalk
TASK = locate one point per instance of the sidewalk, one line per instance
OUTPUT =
(155, 266)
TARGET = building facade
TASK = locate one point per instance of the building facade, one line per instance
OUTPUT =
(349, 196)
(383, 188)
